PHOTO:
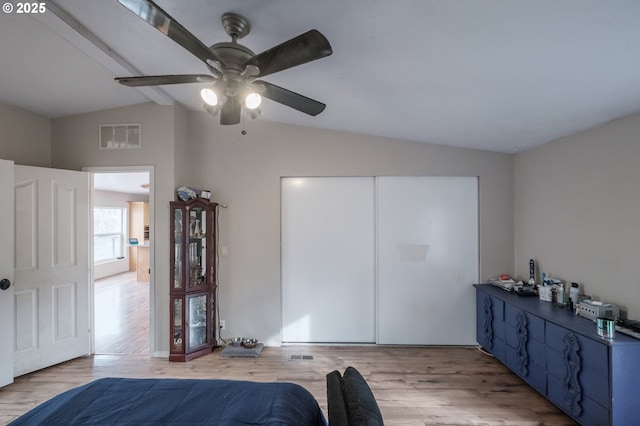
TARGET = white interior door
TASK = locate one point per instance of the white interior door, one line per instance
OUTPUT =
(51, 267)
(6, 272)
(427, 259)
(328, 260)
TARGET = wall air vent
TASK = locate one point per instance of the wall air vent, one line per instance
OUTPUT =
(120, 136)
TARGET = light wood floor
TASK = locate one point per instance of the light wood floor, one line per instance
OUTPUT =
(413, 385)
(122, 315)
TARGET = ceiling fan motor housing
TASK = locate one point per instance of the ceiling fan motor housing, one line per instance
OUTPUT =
(233, 55)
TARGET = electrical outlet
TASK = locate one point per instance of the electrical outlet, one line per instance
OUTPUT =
(223, 324)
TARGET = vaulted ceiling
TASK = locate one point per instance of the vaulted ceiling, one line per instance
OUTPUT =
(500, 75)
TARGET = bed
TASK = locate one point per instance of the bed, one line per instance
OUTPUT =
(172, 402)
(119, 401)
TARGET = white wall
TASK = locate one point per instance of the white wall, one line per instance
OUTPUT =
(244, 172)
(577, 211)
(25, 137)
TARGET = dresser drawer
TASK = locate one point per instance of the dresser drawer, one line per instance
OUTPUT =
(534, 348)
(534, 374)
(499, 350)
(594, 383)
(535, 325)
(597, 351)
(584, 409)
(490, 317)
(591, 362)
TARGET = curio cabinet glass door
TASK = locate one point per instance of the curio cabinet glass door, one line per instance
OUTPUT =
(193, 278)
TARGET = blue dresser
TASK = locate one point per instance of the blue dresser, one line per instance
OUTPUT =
(594, 380)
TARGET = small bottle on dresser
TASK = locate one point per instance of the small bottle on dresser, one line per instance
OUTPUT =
(560, 295)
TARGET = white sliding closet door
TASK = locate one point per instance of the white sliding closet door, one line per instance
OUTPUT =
(427, 236)
(328, 260)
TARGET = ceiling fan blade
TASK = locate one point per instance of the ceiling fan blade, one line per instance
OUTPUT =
(299, 50)
(163, 22)
(230, 112)
(158, 80)
(291, 99)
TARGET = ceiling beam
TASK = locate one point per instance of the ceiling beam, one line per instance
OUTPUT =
(60, 21)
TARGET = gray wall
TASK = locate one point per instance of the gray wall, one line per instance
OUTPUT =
(575, 206)
(181, 166)
(189, 148)
(75, 145)
(577, 211)
(244, 172)
(25, 137)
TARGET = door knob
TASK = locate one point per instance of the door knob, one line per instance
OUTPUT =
(5, 284)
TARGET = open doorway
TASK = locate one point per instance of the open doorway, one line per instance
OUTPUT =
(122, 250)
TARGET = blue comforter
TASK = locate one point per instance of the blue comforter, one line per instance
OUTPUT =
(117, 401)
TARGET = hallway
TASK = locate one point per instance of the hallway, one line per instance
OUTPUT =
(121, 315)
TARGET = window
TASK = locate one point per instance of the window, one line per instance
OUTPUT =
(108, 233)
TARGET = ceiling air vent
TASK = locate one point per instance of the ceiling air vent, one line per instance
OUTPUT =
(120, 136)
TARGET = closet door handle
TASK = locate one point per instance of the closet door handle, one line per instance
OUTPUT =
(5, 284)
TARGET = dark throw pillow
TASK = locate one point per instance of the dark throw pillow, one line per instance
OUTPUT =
(358, 406)
(335, 400)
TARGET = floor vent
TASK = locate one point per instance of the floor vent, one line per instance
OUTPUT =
(301, 357)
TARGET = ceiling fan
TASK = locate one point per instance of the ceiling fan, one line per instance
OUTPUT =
(234, 68)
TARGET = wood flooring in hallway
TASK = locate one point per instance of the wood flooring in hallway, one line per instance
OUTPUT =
(121, 315)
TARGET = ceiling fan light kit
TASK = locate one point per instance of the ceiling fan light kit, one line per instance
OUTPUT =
(253, 101)
(209, 96)
(234, 68)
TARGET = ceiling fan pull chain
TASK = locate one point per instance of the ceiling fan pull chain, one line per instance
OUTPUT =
(243, 119)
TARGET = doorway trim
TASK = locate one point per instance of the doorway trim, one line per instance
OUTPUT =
(152, 314)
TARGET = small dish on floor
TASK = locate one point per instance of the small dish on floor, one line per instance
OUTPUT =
(250, 343)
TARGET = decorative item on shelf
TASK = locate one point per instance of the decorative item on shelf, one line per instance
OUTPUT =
(196, 231)
(193, 276)
(186, 193)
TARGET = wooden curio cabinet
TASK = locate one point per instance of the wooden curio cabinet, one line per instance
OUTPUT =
(193, 278)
